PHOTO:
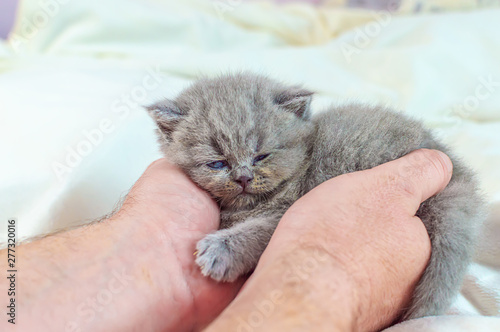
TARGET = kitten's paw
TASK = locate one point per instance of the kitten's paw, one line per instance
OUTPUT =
(216, 259)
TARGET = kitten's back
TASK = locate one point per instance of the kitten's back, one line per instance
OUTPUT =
(358, 137)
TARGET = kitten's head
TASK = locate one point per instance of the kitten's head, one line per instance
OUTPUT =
(240, 137)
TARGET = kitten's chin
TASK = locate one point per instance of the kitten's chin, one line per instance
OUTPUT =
(242, 200)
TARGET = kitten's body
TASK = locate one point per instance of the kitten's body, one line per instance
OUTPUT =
(237, 118)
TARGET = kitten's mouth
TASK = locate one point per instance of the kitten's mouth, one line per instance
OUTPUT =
(245, 192)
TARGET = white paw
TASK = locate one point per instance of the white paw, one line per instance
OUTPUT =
(216, 260)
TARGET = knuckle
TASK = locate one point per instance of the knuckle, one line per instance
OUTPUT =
(432, 164)
(406, 187)
(422, 168)
(403, 185)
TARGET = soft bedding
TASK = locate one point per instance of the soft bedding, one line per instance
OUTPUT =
(73, 77)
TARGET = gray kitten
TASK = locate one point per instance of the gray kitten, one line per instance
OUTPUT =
(252, 143)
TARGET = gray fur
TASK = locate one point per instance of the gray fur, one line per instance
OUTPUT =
(238, 117)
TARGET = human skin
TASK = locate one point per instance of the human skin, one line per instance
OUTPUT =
(351, 250)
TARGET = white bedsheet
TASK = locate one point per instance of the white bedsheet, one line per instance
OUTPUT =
(74, 137)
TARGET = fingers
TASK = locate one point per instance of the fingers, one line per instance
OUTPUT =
(416, 177)
(162, 177)
(166, 192)
(162, 167)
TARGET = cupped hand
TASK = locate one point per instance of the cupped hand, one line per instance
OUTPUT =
(180, 214)
(346, 256)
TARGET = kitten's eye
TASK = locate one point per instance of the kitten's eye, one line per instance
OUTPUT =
(217, 165)
(260, 158)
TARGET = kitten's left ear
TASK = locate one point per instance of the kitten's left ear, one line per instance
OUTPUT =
(167, 115)
(295, 100)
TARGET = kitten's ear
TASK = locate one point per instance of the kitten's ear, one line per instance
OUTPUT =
(295, 100)
(166, 115)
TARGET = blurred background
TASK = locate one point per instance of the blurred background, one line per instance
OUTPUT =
(75, 75)
(7, 14)
(8, 7)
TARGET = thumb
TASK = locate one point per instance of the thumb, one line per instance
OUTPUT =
(417, 176)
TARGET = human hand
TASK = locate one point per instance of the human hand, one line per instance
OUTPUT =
(138, 264)
(179, 214)
(132, 271)
(346, 256)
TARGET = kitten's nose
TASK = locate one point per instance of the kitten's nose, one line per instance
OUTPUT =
(243, 176)
(243, 180)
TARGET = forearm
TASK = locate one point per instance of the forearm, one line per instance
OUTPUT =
(92, 278)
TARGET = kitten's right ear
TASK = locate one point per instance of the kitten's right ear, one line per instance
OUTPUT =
(295, 100)
(166, 115)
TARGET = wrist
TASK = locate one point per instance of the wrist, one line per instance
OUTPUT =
(190, 300)
(152, 257)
